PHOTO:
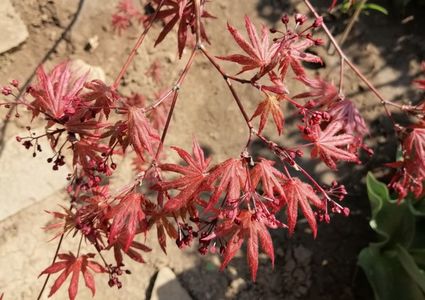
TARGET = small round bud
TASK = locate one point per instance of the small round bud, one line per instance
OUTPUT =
(318, 22)
(346, 211)
(15, 83)
(6, 90)
(300, 19)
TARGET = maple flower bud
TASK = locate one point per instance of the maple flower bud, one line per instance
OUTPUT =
(318, 42)
(300, 19)
(285, 19)
(318, 22)
(327, 219)
(6, 90)
(273, 30)
(15, 83)
(346, 211)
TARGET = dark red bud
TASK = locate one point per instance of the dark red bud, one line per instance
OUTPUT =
(318, 22)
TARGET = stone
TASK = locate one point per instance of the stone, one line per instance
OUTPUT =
(13, 30)
(24, 179)
(80, 68)
(167, 286)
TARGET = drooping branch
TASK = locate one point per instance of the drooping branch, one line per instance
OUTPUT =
(353, 67)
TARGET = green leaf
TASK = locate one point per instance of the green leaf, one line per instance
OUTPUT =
(374, 6)
(387, 276)
(394, 222)
(417, 206)
(419, 256)
(377, 192)
(411, 268)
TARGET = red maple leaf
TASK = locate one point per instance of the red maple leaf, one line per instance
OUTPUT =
(182, 11)
(103, 96)
(231, 176)
(56, 93)
(72, 264)
(346, 112)
(277, 87)
(271, 179)
(292, 51)
(270, 105)
(301, 194)
(164, 227)
(132, 251)
(87, 153)
(85, 128)
(255, 232)
(193, 179)
(329, 145)
(414, 145)
(143, 137)
(261, 55)
(322, 92)
(126, 217)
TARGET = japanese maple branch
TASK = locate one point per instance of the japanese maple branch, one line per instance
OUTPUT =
(176, 89)
(277, 149)
(341, 53)
(54, 260)
(198, 22)
(136, 47)
(227, 78)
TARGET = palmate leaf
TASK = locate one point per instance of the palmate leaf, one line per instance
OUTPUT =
(55, 92)
(133, 251)
(329, 146)
(260, 54)
(271, 179)
(182, 12)
(193, 177)
(228, 178)
(70, 264)
(270, 105)
(126, 217)
(102, 96)
(300, 194)
(256, 233)
(143, 137)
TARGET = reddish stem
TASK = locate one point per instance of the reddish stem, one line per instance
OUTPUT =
(54, 260)
(230, 86)
(350, 64)
(136, 46)
(176, 89)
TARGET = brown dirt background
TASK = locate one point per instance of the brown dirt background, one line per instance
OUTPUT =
(388, 52)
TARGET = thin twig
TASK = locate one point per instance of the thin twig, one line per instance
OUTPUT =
(54, 260)
(350, 25)
(176, 89)
(350, 64)
(136, 47)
